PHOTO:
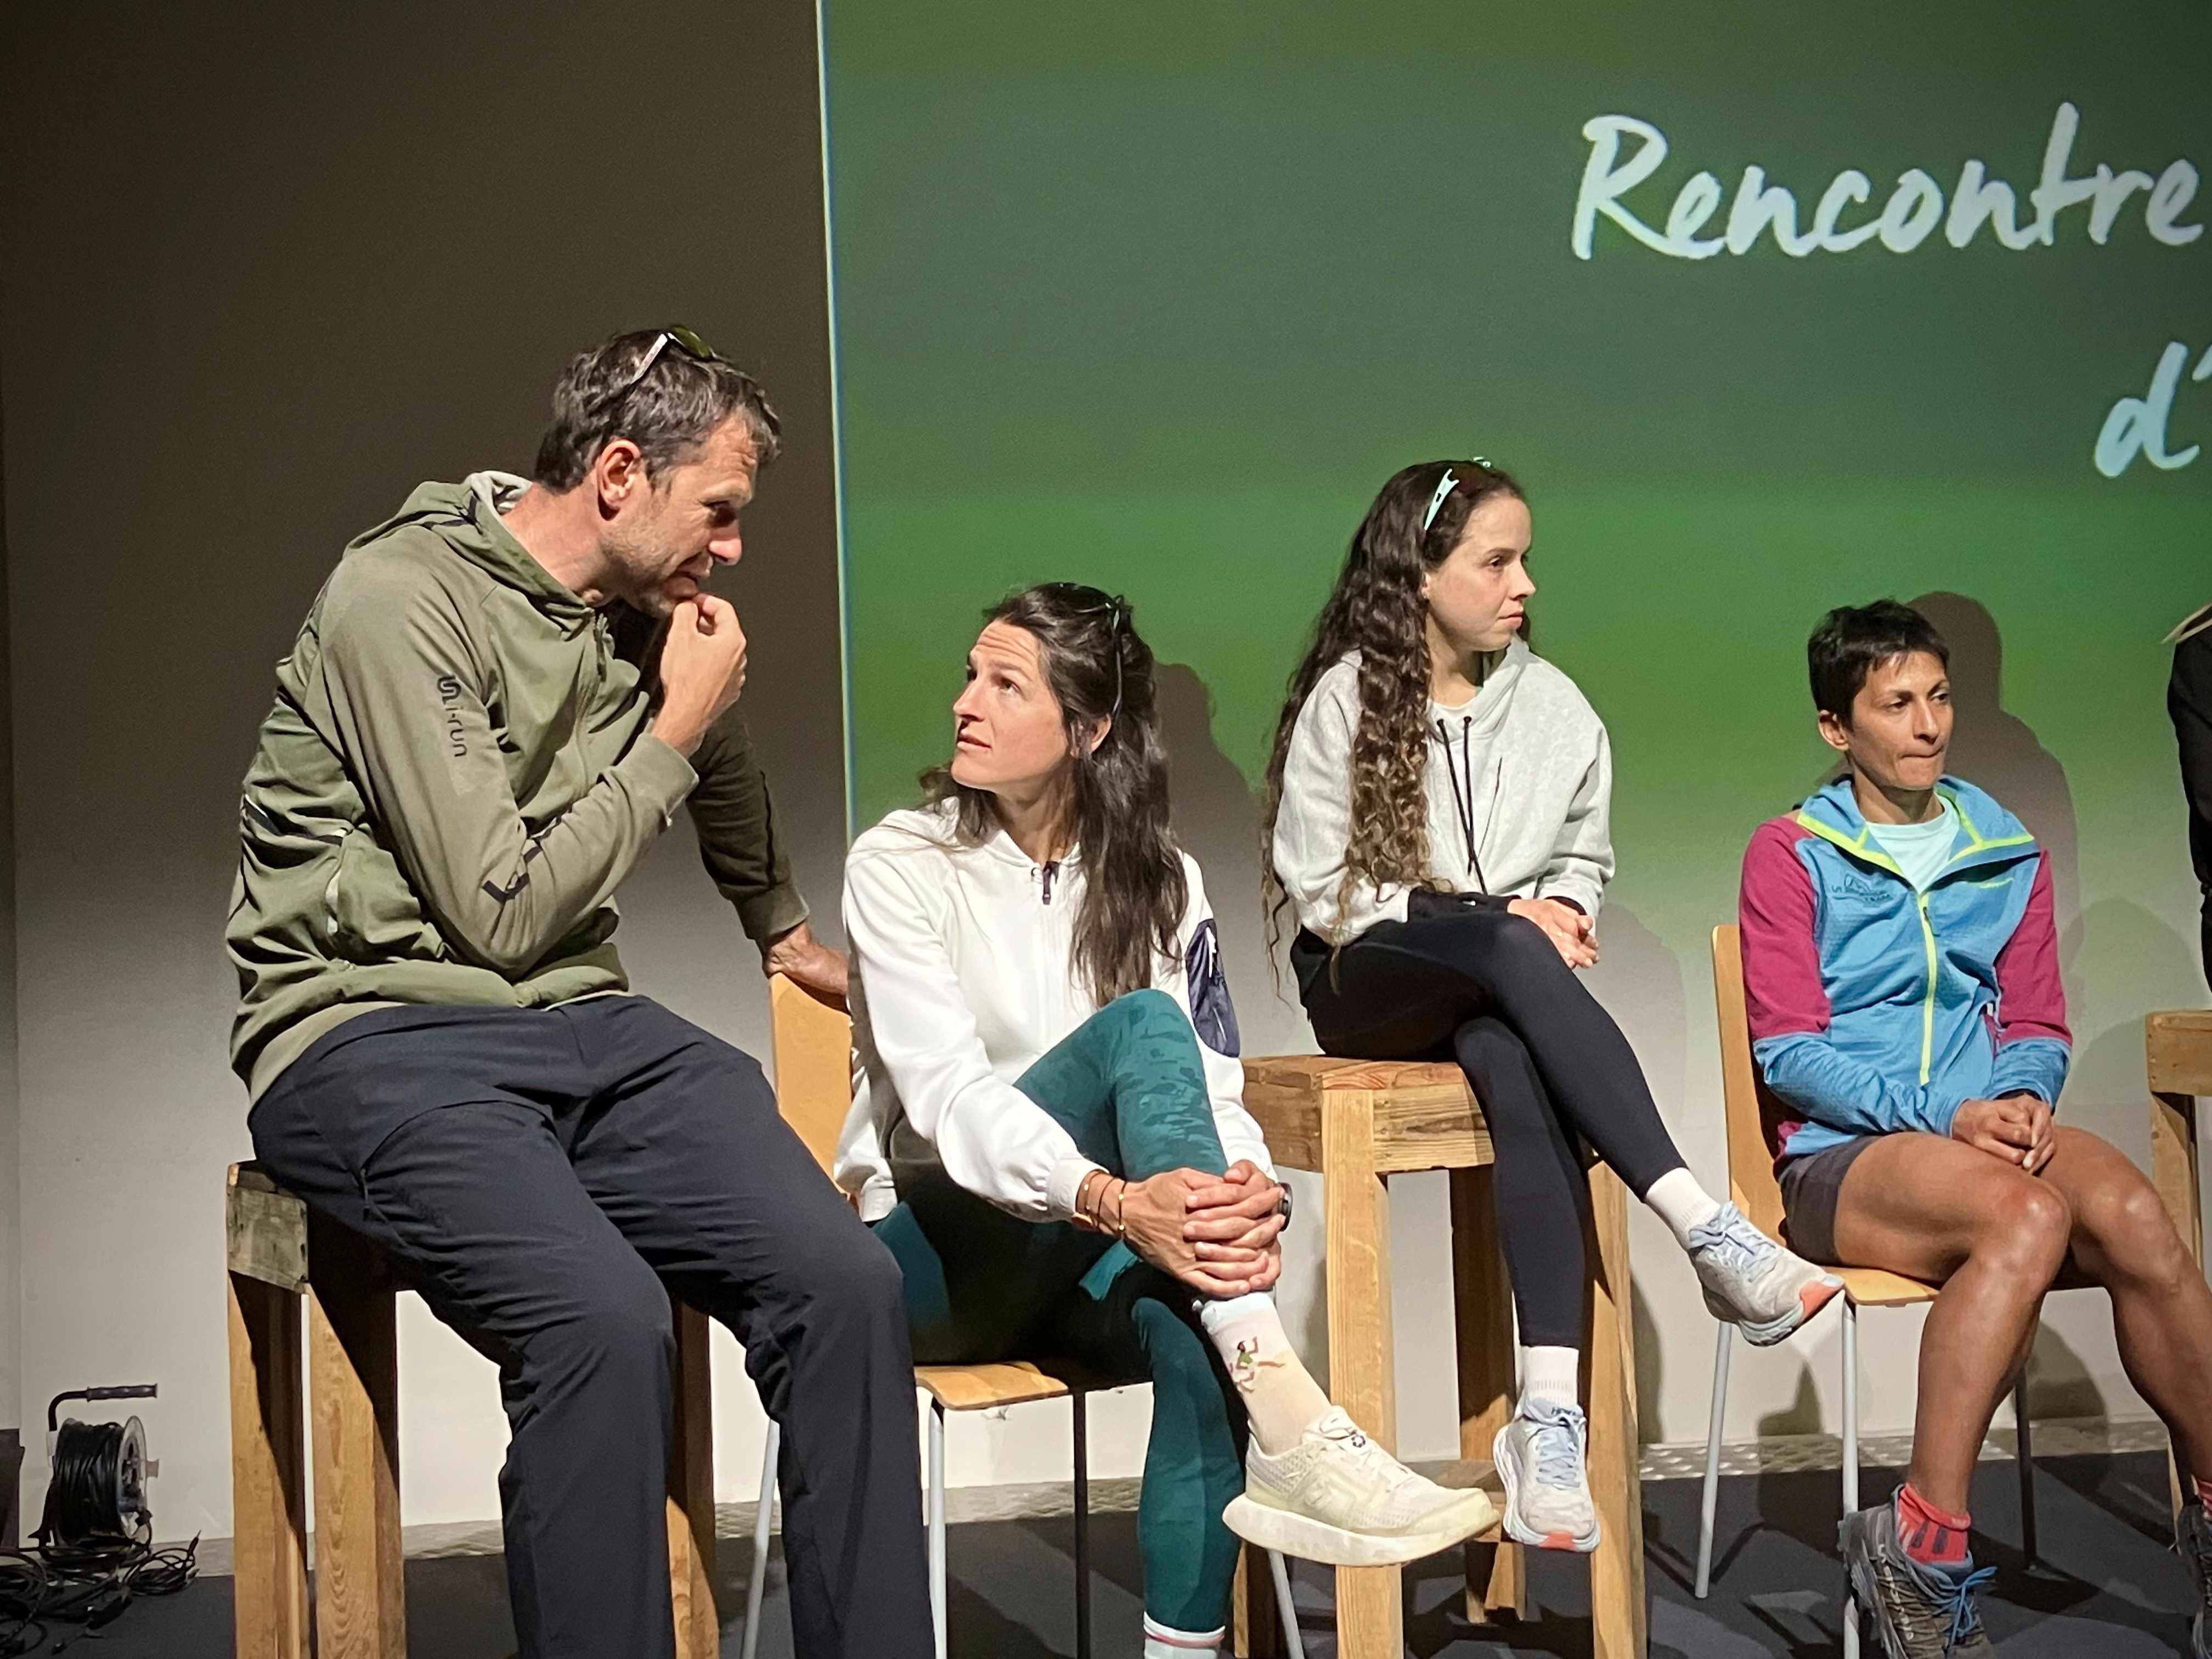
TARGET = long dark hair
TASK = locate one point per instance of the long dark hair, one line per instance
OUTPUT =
(1133, 891)
(1377, 609)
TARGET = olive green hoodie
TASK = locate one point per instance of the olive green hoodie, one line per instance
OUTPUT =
(455, 777)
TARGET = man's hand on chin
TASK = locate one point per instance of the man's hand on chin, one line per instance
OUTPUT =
(805, 960)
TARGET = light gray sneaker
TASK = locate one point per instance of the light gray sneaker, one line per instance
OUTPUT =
(1752, 1282)
(1543, 1457)
(1918, 1612)
(1336, 1497)
(2196, 1545)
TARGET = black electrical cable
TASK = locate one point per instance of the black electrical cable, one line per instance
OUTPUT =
(91, 1559)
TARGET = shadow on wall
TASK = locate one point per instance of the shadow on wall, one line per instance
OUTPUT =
(1999, 752)
(2131, 962)
(1639, 981)
(1217, 819)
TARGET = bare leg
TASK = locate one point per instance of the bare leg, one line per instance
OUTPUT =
(2161, 1305)
(1994, 1238)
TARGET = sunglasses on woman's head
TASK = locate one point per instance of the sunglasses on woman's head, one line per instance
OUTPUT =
(1120, 614)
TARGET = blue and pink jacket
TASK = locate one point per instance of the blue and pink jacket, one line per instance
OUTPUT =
(1875, 1008)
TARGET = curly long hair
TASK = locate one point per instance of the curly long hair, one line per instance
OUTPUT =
(1377, 609)
(1134, 893)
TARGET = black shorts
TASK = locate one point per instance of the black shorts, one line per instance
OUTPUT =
(1810, 1186)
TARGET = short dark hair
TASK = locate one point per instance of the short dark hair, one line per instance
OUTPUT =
(1854, 640)
(682, 401)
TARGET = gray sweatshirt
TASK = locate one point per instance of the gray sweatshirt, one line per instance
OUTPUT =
(1519, 783)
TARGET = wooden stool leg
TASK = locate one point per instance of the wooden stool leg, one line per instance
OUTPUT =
(1369, 1611)
(267, 1473)
(1254, 1627)
(1496, 1574)
(691, 1494)
(1617, 1605)
(2173, 1163)
(361, 1605)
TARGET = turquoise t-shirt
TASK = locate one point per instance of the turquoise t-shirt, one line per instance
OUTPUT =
(1921, 850)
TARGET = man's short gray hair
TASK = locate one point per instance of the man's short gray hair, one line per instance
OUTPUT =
(669, 414)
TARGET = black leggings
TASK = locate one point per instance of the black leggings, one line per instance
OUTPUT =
(1488, 988)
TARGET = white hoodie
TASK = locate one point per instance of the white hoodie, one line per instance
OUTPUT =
(964, 978)
(1519, 785)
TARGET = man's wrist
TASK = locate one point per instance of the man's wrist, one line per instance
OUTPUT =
(682, 736)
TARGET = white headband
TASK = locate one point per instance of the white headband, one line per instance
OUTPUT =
(1436, 501)
(1443, 490)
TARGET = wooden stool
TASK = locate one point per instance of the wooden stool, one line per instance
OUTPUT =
(1355, 1123)
(2178, 1051)
(360, 1609)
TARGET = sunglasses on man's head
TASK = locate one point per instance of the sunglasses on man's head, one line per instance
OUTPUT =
(681, 339)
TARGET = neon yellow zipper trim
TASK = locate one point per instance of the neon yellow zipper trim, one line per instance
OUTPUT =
(1977, 842)
(1864, 847)
(1928, 1008)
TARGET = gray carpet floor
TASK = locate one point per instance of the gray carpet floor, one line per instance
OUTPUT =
(2107, 1584)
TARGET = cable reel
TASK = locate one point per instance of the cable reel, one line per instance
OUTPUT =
(97, 1496)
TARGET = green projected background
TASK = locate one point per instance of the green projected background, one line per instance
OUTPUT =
(1154, 296)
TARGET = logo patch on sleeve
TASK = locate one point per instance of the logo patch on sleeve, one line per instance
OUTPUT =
(1211, 1013)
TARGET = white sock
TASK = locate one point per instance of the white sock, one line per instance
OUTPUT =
(1163, 1642)
(1677, 1200)
(1551, 1376)
(1281, 1399)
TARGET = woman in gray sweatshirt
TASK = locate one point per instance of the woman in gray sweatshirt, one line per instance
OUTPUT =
(1438, 801)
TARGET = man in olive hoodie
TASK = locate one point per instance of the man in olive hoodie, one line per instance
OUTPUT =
(462, 764)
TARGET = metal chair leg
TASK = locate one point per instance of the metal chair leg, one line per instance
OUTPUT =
(1850, 1460)
(1082, 1526)
(771, 1448)
(1286, 1610)
(1724, 1348)
(936, 1522)
(2026, 1458)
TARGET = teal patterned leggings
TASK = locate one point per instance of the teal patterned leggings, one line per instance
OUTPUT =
(980, 1284)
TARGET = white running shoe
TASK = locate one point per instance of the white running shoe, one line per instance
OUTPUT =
(1543, 1457)
(1336, 1497)
(1752, 1282)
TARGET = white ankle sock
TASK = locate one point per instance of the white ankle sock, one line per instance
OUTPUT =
(1163, 1642)
(1551, 1376)
(1281, 1399)
(1677, 1200)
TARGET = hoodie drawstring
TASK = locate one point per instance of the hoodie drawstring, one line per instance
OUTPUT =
(1462, 786)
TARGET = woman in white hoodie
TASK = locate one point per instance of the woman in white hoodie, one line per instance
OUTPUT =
(1438, 805)
(1048, 1129)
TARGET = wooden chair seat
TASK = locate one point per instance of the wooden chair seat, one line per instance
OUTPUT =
(1872, 1287)
(979, 1387)
(1423, 1115)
